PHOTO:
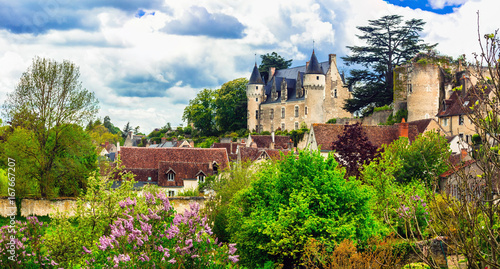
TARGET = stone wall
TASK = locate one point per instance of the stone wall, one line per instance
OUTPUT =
(377, 117)
(43, 207)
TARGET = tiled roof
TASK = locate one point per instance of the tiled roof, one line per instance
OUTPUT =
(252, 154)
(457, 167)
(460, 106)
(138, 157)
(231, 148)
(326, 134)
(182, 171)
(264, 141)
(420, 124)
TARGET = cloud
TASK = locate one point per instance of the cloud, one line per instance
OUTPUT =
(198, 21)
(38, 17)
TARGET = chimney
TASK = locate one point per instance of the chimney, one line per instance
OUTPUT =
(163, 140)
(463, 154)
(106, 145)
(117, 146)
(403, 128)
(332, 59)
(191, 143)
(272, 70)
(253, 144)
(307, 65)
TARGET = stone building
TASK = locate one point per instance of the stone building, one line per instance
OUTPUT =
(308, 94)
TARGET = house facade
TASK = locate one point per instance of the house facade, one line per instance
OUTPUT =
(291, 97)
(173, 168)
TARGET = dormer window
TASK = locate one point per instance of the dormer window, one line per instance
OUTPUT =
(201, 178)
(215, 168)
(170, 176)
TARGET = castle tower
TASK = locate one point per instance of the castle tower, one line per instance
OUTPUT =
(255, 96)
(314, 89)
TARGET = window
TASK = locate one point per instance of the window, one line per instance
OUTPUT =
(296, 111)
(271, 113)
(335, 93)
(282, 126)
(461, 136)
(216, 168)
(282, 112)
(305, 111)
(257, 99)
(317, 77)
(410, 88)
(296, 125)
(256, 87)
(445, 121)
(201, 178)
(256, 114)
(170, 176)
(149, 178)
(171, 193)
(460, 120)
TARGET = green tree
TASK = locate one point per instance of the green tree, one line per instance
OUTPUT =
(47, 101)
(126, 129)
(201, 112)
(231, 106)
(296, 199)
(272, 60)
(100, 134)
(112, 129)
(389, 43)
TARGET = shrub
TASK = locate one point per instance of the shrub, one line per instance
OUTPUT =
(189, 192)
(159, 238)
(332, 121)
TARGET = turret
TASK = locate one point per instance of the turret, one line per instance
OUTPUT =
(314, 88)
(255, 95)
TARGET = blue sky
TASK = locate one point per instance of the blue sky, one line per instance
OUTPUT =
(146, 59)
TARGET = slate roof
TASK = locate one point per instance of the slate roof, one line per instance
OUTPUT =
(264, 141)
(314, 67)
(255, 78)
(378, 135)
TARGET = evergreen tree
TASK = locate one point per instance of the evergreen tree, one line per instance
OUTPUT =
(272, 60)
(389, 43)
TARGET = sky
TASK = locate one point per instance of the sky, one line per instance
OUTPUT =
(145, 60)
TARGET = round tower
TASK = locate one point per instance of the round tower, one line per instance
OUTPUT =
(314, 87)
(255, 95)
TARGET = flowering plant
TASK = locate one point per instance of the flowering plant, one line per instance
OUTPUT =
(160, 238)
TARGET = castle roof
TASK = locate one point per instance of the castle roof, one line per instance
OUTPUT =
(255, 78)
(314, 66)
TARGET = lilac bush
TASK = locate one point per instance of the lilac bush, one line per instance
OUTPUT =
(160, 239)
(21, 245)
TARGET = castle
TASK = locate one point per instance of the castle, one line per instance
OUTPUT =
(313, 93)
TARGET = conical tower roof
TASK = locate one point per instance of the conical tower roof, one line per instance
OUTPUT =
(313, 67)
(255, 78)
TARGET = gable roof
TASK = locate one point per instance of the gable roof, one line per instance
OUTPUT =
(420, 124)
(326, 134)
(264, 141)
(139, 157)
(252, 154)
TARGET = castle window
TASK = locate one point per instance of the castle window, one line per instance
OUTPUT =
(271, 113)
(305, 110)
(296, 125)
(410, 88)
(282, 112)
(296, 111)
(256, 87)
(335, 93)
(257, 99)
(282, 127)
(170, 176)
(317, 77)
(256, 114)
(460, 120)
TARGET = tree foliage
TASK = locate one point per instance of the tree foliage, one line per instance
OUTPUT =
(272, 60)
(353, 149)
(293, 200)
(389, 43)
(201, 112)
(45, 106)
(231, 106)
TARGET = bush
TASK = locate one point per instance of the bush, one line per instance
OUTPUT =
(189, 192)
(332, 121)
(293, 200)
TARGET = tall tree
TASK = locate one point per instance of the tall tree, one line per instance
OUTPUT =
(127, 128)
(272, 60)
(201, 112)
(231, 106)
(389, 43)
(48, 100)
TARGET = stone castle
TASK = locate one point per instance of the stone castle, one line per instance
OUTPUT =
(313, 93)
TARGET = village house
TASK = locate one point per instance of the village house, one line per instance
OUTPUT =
(308, 94)
(321, 136)
(174, 168)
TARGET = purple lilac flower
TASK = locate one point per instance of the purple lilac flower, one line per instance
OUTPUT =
(172, 261)
(234, 258)
(86, 250)
(150, 199)
(232, 248)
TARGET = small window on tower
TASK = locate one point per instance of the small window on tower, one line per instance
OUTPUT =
(305, 111)
(317, 77)
(256, 87)
(335, 93)
(257, 99)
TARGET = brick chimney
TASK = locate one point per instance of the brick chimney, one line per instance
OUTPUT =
(403, 128)
(463, 154)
